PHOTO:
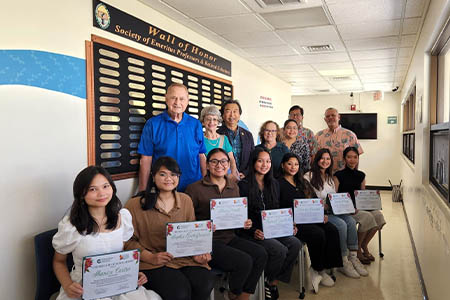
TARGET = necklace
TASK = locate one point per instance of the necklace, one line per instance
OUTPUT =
(211, 143)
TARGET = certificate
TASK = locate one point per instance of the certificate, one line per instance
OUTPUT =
(189, 238)
(277, 223)
(110, 274)
(368, 200)
(341, 203)
(308, 211)
(229, 213)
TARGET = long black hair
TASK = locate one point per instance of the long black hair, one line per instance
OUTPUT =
(300, 183)
(316, 177)
(80, 216)
(150, 195)
(270, 192)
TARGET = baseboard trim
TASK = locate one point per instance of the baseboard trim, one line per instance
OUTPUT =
(416, 258)
(379, 187)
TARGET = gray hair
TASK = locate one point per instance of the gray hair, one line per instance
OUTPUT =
(210, 110)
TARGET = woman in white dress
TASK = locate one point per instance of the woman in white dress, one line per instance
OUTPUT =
(96, 225)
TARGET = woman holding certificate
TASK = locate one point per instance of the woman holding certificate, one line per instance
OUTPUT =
(263, 192)
(322, 238)
(183, 278)
(321, 179)
(349, 180)
(242, 259)
(96, 225)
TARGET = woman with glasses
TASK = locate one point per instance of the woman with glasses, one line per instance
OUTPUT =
(210, 118)
(270, 140)
(242, 259)
(178, 278)
(263, 193)
(296, 144)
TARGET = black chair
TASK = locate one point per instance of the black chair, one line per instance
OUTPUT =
(46, 283)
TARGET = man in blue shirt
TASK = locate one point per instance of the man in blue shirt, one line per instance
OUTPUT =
(176, 134)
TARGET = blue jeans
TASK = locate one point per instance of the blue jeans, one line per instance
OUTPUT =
(348, 236)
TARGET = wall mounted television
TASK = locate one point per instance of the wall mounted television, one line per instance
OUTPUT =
(364, 125)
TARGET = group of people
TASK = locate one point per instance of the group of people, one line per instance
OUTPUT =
(183, 167)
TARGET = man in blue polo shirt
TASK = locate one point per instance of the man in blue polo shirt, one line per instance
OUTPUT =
(176, 134)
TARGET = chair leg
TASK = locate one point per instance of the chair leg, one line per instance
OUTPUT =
(379, 244)
(301, 272)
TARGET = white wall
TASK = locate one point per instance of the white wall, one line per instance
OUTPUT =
(41, 159)
(380, 158)
(428, 215)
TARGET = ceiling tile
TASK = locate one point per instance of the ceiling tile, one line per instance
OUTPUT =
(411, 25)
(408, 40)
(405, 52)
(293, 68)
(326, 57)
(314, 16)
(230, 24)
(253, 39)
(403, 60)
(333, 66)
(383, 86)
(364, 30)
(310, 35)
(299, 75)
(270, 51)
(210, 8)
(384, 69)
(414, 8)
(374, 54)
(279, 60)
(375, 63)
(371, 44)
(364, 10)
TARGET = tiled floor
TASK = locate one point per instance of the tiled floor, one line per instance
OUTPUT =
(393, 277)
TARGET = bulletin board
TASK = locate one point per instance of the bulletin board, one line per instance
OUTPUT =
(126, 87)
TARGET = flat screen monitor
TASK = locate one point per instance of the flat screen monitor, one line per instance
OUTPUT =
(363, 125)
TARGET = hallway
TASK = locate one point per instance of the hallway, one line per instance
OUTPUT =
(392, 278)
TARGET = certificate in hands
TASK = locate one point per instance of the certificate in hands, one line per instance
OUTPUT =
(277, 223)
(229, 213)
(110, 274)
(368, 200)
(189, 238)
(341, 203)
(308, 211)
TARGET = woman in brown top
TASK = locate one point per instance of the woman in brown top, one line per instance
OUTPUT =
(243, 259)
(183, 278)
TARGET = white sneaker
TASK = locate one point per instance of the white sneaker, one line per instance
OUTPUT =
(357, 265)
(349, 270)
(316, 278)
(326, 279)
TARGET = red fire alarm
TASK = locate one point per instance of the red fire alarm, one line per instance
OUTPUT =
(353, 107)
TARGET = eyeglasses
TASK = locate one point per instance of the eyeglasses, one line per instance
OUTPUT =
(171, 175)
(211, 120)
(291, 127)
(295, 115)
(270, 131)
(215, 162)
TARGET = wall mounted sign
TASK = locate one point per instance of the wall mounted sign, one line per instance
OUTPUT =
(392, 119)
(113, 20)
(265, 102)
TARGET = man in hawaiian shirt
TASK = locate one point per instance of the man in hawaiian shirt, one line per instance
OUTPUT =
(336, 138)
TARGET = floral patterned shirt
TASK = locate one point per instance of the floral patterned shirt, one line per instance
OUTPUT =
(337, 140)
(308, 135)
(301, 149)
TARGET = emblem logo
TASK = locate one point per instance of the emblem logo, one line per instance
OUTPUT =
(102, 16)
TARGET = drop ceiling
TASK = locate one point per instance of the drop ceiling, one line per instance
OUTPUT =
(371, 41)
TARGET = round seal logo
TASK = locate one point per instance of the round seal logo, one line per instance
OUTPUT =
(102, 16)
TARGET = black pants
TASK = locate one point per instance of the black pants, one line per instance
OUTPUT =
(323, 245)
(243, 260)
(187, 283)
(282, 255)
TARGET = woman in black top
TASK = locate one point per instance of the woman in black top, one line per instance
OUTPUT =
(263, 193)
(349, 180)
(323, 238)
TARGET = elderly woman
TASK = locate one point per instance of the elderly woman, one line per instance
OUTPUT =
(269, 134)
(210, 118)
